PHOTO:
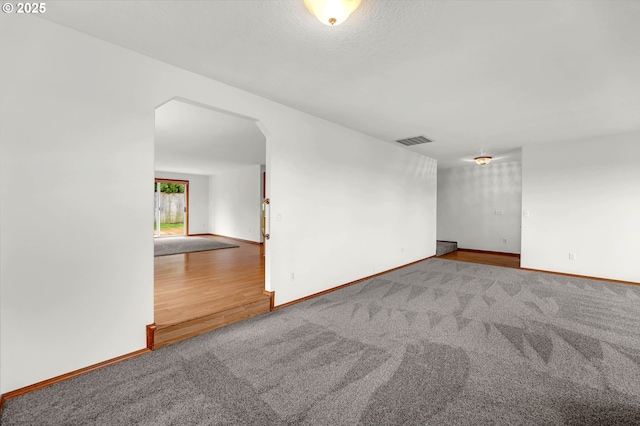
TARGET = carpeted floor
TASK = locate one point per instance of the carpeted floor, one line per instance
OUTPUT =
(177, 245)
(438, 343)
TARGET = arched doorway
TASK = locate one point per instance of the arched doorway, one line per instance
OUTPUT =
(223, 157)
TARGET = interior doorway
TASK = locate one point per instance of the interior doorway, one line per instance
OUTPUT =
(171, 208)
(222, 157)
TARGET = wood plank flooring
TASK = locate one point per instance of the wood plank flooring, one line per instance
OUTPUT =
(201, 291)
(495, 259)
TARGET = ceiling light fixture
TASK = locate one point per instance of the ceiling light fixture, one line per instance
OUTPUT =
(483, 160)
(332, 12)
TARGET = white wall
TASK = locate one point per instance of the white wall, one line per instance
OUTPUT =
(348, 207)
(79, 112)
(235, 203)
(583, 197)
(198, 199)
(76, 286)
(468, 199)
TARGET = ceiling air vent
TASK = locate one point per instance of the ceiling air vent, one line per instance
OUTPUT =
(416, 140)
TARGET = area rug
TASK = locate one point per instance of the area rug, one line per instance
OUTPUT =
(176, 245)
(439, 342)
(444, 247)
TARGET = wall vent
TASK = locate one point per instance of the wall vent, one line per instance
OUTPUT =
(416, 140)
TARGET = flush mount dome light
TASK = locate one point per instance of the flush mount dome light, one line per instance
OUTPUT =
(332, 12)
(483, 160)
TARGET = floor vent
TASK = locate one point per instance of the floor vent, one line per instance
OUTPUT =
(416, 140)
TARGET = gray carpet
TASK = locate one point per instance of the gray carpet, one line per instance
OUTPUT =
(436, 343)
(176, 245)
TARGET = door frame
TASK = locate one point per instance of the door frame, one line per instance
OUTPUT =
(186, 200)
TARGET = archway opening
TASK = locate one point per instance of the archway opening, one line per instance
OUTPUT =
(216, 276)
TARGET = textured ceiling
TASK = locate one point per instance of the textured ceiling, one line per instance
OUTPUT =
(197, 140)
(471, 75)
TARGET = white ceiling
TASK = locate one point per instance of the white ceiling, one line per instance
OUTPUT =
(471, 75)
(197, 140)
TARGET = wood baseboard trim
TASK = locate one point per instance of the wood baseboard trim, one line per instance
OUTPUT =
(293, 302)
(489, 252)
(46, 383)
(272, 297)
(581, 276)
(151, 333)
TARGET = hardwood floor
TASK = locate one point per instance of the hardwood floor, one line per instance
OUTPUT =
(201, 291)
(495, 259)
